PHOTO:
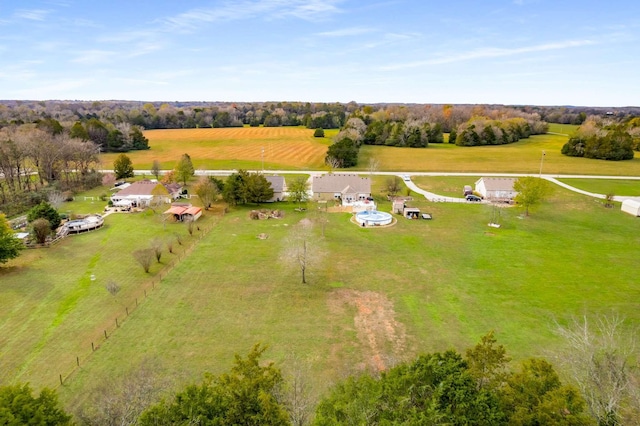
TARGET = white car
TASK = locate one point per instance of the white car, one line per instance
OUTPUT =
(406, 178)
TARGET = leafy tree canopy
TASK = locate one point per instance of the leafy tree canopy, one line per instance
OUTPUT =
(184, 169)
(46, 211)
(123, 167)
(19, 407)
(345, 152)
(10, 246)
(244, 396)
(531, 191)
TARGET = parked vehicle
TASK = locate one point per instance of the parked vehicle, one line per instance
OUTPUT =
(406, 178)
(473, 198)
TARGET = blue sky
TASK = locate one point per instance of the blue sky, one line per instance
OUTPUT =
(539, 52)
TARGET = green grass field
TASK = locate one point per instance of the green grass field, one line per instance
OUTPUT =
(295, 148)
(606, 186)
(442, 283)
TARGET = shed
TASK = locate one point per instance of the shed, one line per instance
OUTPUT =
(411, 213)
(398, 206)
(631, 206)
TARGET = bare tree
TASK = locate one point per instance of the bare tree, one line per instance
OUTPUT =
(609, 199)
(156, 246)
(301, 249)
(170, 245)
(144, 257)
(121, 401)
(393, 185)
(155, 169)
(334, 163)
(112, 287)
(373, 166)
(297, 392)
(190, 226)
(322, 217)
(56, 198)
(108, 179)
(597, 355)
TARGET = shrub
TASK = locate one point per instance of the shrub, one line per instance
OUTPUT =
(319, 133)
(46, 211)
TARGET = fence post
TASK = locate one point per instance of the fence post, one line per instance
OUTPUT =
(61, 379)
(127, 309)
(78, 360)
(92, 347)
(117, 322)
(105, 334)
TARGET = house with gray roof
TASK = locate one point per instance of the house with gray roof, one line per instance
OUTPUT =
(346, 187)
(496, 188)
(279, 187)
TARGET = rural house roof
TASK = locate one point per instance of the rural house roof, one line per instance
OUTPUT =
(141, 187)
(193, 210)
(182, 209)
(342, 183)
(498, 184)
(277, 183)
(173, 187)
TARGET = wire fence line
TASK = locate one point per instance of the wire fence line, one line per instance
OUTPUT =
(142, 294)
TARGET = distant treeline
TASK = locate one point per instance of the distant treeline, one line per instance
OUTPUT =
(419, 126)
(176, 115)
(605, 139)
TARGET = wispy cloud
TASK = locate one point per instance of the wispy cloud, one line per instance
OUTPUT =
(92, 57)
(492, 52)
(346, 32)
(32, 14)
(247, 9)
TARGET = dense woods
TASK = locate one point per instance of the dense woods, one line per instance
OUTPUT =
(605, 140)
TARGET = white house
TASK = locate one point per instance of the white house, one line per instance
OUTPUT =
(631, 206)
(143, 193)
(496, 188)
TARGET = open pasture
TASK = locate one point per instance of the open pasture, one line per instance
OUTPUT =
(295, 148)
(523, 156)
(437, 284)
(55, 301)
(288, 148)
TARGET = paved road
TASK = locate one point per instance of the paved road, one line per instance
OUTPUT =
(553, 178)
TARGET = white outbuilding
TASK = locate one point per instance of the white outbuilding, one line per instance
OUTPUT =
(631, 206)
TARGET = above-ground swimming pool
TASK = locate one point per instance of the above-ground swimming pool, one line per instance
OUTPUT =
(89, 223)
(373, 218)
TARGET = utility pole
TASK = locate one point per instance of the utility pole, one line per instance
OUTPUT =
(263, 159)
(542, 161)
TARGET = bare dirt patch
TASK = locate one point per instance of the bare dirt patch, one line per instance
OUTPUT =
(382, 338)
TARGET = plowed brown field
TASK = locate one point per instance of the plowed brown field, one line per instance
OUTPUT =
(243, 147)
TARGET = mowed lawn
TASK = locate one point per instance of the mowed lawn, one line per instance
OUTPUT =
(232, 148)
(622, 187)
(55, 301)
(448, 281)
(295, 148)
(524, 156)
